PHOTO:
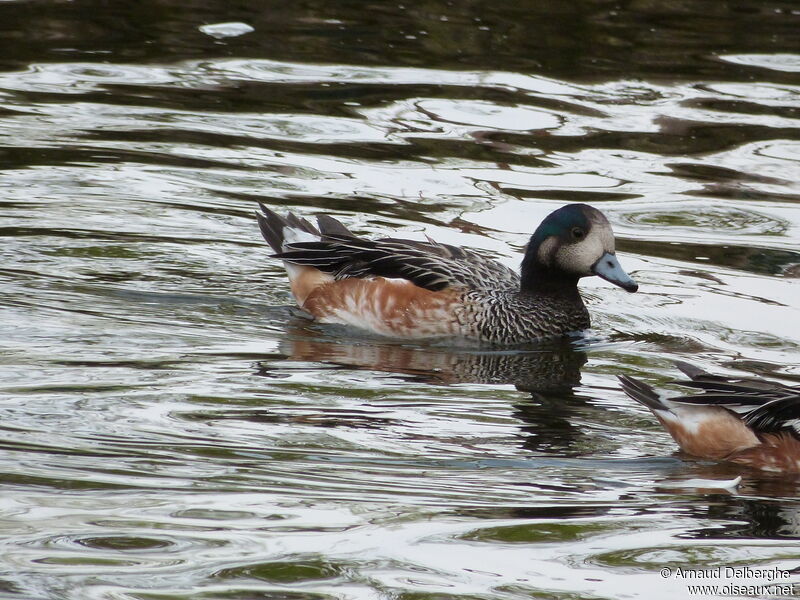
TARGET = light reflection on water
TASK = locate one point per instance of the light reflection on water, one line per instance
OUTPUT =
(172, 429)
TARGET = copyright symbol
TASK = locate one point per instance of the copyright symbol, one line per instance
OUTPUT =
(666, 572)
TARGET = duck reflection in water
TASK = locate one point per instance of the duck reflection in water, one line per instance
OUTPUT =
(548, 370)
(548, 367)
(764, 506)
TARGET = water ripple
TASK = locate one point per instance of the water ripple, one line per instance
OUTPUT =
(172, 429)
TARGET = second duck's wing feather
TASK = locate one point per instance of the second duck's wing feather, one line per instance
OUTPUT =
(776, 416)
(750, 386)
(765, 406)
(742, 395)
(430, 265)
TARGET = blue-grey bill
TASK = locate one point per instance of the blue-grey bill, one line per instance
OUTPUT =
(608, 268)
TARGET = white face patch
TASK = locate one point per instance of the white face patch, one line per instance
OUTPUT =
(546, 249)
(579, 257)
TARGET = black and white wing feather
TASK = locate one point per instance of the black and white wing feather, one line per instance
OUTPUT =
(742, 395)
(765, 406)
(430, 265)
(776, 416)
(735, 385)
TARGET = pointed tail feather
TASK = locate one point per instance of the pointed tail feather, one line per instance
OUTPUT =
(734, 386)
(691, 371)
(330, 226)
(302, 224)
(641, 392)
(273, 226)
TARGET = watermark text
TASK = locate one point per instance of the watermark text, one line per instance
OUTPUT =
(734, 581)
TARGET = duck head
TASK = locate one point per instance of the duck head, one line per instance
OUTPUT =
(572, 242)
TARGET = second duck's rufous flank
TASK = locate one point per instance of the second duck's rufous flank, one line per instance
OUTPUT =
(745, 420)
(414, 290)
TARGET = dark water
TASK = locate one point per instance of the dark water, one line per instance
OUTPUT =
(171, 430)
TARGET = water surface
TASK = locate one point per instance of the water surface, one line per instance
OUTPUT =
(172, 429)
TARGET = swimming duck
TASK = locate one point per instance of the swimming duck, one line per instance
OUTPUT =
(414, 290)
(745, 420)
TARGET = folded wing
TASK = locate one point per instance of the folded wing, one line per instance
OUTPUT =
(429, 265)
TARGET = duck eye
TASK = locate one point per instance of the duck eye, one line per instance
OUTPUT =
(578, 233)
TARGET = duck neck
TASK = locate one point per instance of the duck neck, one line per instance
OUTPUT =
(542, 281)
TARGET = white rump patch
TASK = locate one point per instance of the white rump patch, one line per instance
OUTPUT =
(292, 235)
(691, 417)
